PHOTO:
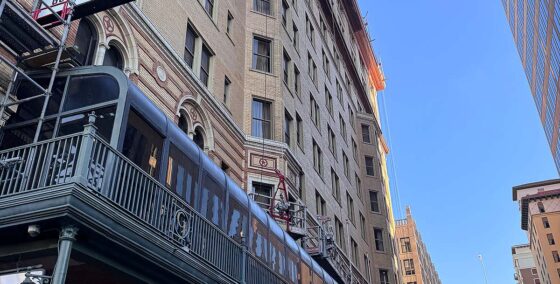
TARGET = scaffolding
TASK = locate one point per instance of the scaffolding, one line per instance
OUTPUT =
(36, 41)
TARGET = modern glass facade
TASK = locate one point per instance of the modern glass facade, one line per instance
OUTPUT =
(535, 25)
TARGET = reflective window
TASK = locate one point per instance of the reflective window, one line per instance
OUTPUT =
(189, 46)
(32, 109)
(259, 239)
(237, 220)
(182, 174)
(89, 90)
(277, 255)
(212, 201)
(75, 123)
(142, 144)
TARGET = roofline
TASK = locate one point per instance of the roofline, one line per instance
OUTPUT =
(531, 185)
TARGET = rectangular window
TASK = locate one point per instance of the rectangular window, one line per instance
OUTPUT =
(329, 100)
(332, 140)
(227, 84)
(297, 83)
(545, 223)
(287, 128)
(350, 207)
(299, 130)
(142, 144)
(286, 67)
(314, 111)
(346, 164)
(550, 239)
(262, 6)
(262, 193)
(320, 204)
(409, 267)
(369, 166)
(205, 65)
(365, 134)
(229, 22)
(339, 92)
(373, 202)
(312, 69)
(285, 9)
(261, 54)
(326, 64)
(309, 30)
(405, 245)
(384, 276)
(342, 127)
(354, 148)
(295, 39)
(354, 252)
(261, 119)
(555, 256)
(335, 185)
(351, 116)
(339, 234)
(209, 7)
(378, 235)
(358, 186)
(363, 225)
(189, 46)
(317, 158)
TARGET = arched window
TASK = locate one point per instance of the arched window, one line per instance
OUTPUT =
(113, 57)
(198, 138)
(86, 40)
(183, 123)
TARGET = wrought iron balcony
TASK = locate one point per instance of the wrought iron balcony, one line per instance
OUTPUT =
(88, 163)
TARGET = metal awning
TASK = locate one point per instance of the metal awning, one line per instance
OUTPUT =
(19, 31)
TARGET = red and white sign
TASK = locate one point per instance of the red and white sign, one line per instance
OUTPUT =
(82, 8)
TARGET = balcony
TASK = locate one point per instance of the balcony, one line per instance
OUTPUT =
(321, 245)
(81, 179)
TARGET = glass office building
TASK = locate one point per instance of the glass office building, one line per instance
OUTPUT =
(535, 26)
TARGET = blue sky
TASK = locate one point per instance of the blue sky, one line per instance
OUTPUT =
(464, 128)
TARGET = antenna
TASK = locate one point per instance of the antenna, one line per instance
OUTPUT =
(480, 258)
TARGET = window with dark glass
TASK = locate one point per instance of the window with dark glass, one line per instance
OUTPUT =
(339, 234)
(329, 100)
(545, 223)
(299, 130)
(227, 84)
(74, 123)
(209, 7)
(183, 122)
(261, 119)
(182, 174)
(286, 67)
(229, 22)
(205, 64)
(320, 204)
(262, 6)
(354, 252)
(262, 193)
(190, 45)
(142, 144)
(212, 198)
(86, 42)
(384, 276)
(285, 9)
(378, 236)
(369, 166)
(365, 134)
(113, 57)
(287, 128)
(238, 218)
(317, 158)
(350, 208)
(335, 185)
(550, 239)
(261, 54)
(295, 38)
(373, 202)
(85, 91)
(541, 207)
(198, 138)
(297, 83)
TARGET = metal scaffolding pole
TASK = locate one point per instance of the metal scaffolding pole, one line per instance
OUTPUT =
(61, 47)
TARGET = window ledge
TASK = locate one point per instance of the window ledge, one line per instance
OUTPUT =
(261, 72)
(263, 14)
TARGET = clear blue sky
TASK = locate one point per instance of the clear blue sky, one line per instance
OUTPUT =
(464, 128)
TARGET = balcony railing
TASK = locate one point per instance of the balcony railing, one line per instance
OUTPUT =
(297, 212)
(87, 160)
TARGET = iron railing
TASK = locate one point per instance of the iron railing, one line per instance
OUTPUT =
(86, 159)
(297, 212)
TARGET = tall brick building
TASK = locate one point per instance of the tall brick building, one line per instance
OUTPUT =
(417, 266)
(269, 85)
